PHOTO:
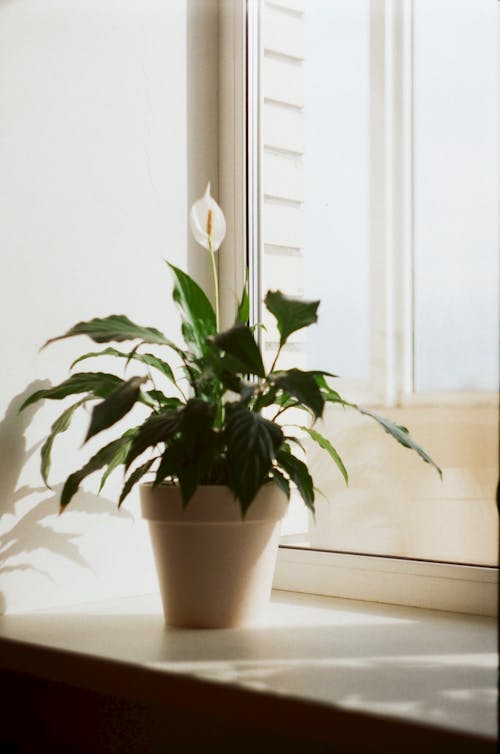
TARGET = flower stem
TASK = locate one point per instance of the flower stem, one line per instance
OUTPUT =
(219, 419)
(216, 283)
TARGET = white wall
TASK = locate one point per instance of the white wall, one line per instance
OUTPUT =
(93, 195)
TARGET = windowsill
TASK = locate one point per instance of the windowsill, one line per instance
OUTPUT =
(451, 587)
(337, 667)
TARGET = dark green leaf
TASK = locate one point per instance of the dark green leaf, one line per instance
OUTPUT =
(284, 401)
(61, 424)
(199, 440)
(137, 474)
(146, 358)
(281, 481)
(170, 463)
(299, 474)
(291, 314)
(300, 385)
(176, 462)
(157, 428)
(93, 354)
(231, 381)
(116, 327)
(197, 418)
(252, 445)
(190, 456)
(115, 406)
(100, 459)
(321, 374)
(133, 353)
(295, 441)
(153, 361)
(239, 343)
(100, 384)
(324, 443)
(400, 434)
(165, 401)
(222, 367)
(198, 316)
(243, 312)
(329, 395)
(118, 459)
(265, 399)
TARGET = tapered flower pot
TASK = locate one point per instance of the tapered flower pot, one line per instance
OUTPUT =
(215, 569)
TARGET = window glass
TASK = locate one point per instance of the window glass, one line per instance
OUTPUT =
(456, 135)
(333, 130)
(316, 175)
(336, 170)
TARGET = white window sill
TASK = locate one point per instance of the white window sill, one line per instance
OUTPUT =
(450, 587)
(320, 669)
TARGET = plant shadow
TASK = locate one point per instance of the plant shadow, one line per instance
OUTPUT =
(23, 516)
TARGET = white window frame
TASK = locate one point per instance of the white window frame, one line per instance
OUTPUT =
(444, 586)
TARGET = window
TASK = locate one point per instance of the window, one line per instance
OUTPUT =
(344, 187)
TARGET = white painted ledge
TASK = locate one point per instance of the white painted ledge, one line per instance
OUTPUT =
(314, 664)
(413, 583)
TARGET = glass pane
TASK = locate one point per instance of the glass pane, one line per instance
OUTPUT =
(316, 170)
(337, 182)
(316, 175)
(456, 131)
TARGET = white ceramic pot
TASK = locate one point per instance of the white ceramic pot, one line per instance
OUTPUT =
(215, 569)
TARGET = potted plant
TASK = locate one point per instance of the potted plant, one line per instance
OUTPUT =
(214, 444)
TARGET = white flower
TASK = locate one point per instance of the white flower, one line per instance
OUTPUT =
(207, 222)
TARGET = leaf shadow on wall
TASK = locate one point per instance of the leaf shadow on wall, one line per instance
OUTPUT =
(23, 533)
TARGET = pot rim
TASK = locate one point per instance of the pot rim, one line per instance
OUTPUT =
(210, 504)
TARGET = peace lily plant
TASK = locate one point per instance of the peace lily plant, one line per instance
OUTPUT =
(207, 426)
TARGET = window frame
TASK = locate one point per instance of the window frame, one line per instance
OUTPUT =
(428, 584)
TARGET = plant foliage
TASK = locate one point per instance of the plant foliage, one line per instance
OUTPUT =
(219, 418)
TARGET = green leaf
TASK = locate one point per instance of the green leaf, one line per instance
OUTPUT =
(324, 443)
(146, 358)
(100, 459)
(265, 399)
(191, 455)
(100, 384)
(135, 476)
(295, 441)
(291, 314)
(118, 459)
(300, 385)
(170, 463)
(198, 316)
(321, 374)
(252, 443)
(223, 367)
(243, 311)
(197, 418)
(239, 343)
(299, 474)
(281, 481)
(116, 327)
(133, 353)
(106, 352)
(329, 395)
(177, 462)
(61, 424)
(165, 401)
(115, 406)
(157, 428)
(153, 361)
(401, 434)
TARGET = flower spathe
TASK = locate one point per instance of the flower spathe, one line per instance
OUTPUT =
(208, 223)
